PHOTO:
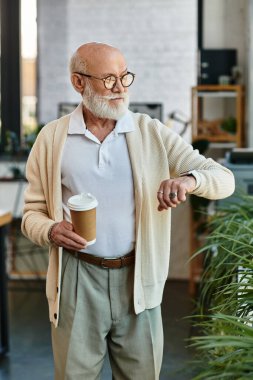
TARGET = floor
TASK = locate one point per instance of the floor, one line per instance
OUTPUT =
(30, 356)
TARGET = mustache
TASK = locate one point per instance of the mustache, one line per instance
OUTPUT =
(113, 96)
(116, 96)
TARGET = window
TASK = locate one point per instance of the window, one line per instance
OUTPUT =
(28, 65)
(18, 76)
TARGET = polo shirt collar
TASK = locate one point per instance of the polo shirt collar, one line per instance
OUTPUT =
(77, 124)
(76, 121)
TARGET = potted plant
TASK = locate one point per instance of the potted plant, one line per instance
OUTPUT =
(224, 345)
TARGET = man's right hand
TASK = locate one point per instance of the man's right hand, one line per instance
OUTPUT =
(63, 235)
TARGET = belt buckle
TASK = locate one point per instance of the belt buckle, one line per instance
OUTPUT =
(103, 261)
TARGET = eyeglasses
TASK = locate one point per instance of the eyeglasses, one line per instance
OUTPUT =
(111, 80)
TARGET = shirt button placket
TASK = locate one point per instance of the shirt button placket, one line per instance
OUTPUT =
(100, 157)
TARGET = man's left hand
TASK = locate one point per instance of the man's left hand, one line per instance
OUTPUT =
(173, 191)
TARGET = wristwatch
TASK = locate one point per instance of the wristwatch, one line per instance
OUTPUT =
(194, 174)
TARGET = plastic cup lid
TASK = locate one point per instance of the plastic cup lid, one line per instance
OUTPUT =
(82, 202)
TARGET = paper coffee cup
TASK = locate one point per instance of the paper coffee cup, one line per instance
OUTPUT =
(83, 215)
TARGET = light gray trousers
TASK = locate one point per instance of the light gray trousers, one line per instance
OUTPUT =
(96, 315)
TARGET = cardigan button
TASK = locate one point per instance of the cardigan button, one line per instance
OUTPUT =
(55, 316)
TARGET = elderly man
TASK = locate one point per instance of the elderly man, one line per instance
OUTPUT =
(107, 296)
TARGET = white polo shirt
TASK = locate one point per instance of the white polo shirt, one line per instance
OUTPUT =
(104, 170)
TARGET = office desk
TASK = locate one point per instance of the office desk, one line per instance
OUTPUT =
(5, 218)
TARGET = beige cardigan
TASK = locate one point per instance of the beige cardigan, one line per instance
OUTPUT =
(156, 153)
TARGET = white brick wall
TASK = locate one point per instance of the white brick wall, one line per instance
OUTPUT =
(158, 38)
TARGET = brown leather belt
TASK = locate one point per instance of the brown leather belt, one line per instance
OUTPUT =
(106, 263)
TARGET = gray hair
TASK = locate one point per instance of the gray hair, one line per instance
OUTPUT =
(76, 64)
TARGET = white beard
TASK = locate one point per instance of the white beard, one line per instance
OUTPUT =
(100, 107)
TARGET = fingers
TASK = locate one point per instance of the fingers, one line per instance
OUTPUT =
(181, 194)
(162, 203)
(64, 236)
(168, 198)
(71, 244)
(171, 193)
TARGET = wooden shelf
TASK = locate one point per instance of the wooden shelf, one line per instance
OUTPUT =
(218, 87)
(221, 94)
(223, 137)
(210, 129)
